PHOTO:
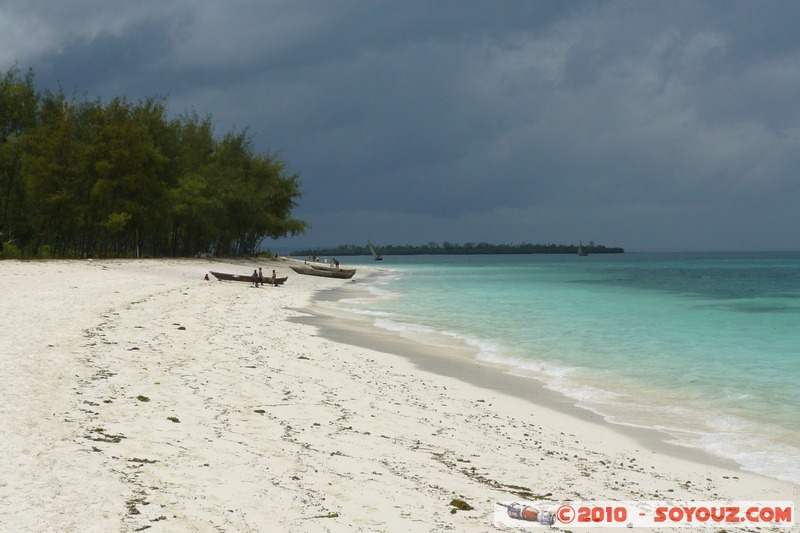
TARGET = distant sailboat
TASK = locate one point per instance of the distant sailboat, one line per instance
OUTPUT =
(582, 251)
(375, 254)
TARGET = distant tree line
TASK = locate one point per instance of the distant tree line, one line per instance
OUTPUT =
(446, 248)
(120, 179)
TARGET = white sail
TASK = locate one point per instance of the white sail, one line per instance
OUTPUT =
(375, 253)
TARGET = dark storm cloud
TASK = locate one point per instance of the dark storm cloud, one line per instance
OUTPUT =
(106, 60)
(640, 124)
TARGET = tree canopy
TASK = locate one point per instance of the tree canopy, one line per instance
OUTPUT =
(121, 179)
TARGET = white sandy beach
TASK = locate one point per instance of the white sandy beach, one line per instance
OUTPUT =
(137, 396)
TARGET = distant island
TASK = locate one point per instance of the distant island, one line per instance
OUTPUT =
(460, 249)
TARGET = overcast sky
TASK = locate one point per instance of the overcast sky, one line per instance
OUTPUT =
(648, 125)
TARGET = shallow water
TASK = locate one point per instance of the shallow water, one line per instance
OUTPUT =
(704, 347)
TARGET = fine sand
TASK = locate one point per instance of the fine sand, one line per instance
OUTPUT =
(137, 396)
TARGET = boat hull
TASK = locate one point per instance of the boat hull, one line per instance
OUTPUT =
(325, 272)
(350, 271)
(246, 278)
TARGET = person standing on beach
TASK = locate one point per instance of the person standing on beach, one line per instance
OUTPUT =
(273, 280)
(260, 276)
(255, 278)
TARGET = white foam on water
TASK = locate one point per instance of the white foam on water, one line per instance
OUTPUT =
(757, 453)
(695, 367)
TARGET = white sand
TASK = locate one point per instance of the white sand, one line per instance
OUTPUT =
(273, 428)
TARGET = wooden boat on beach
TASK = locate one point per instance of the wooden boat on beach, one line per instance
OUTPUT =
(325, 272)
(248, 278)
(326, 268)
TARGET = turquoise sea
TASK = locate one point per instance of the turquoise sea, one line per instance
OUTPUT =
(702, 347)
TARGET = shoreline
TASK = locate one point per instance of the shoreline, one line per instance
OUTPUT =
(461, 362)
(653, 431)
(141, 397)
(456, 363)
